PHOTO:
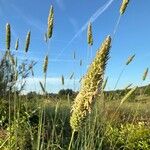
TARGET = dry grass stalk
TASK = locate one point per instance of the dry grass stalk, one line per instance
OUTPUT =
(90, 35)
(27, 41)
(90, 86)
(45, 65)
(145, 74)
(50, 23)
(8, 36)
(123, 6)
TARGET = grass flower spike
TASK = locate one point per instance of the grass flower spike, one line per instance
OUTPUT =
(8, 36)
(90, 85)
(27, 41)
(90, 35)
(124, 6)
(50, 23)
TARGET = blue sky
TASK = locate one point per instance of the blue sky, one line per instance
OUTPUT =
(71, 17)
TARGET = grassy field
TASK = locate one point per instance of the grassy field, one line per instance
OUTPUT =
(109, 127)
(90, 119)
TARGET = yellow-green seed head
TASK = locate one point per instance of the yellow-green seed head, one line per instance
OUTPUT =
(27, 41)
(123, 6)
(90, 86)
(90, 35)
(45, 64)
(8, 36)
(50, 23)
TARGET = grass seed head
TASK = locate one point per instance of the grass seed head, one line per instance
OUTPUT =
(50, 23)
(90, 86)
(27, 41)
(89, 35)
(145, 74)
(71, 76)
(8, 36)
(62, 80)
(81, 62)
(45, 66)
(74, 55)
(130, 59)
(17, 44)
(124, 6)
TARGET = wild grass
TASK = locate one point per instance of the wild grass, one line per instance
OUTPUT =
(90, 119)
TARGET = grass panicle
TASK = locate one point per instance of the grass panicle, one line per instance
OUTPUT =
(17, 44)
(128, 95)
(71, 76)
(27, 41)
(81, 62)
(130, 59)
(8, 36)
(90, 86)
(89, 35)
(45, 65)
(124, 6)
(74, 55)
(50, 23)
(62, 80)
(145, 74)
